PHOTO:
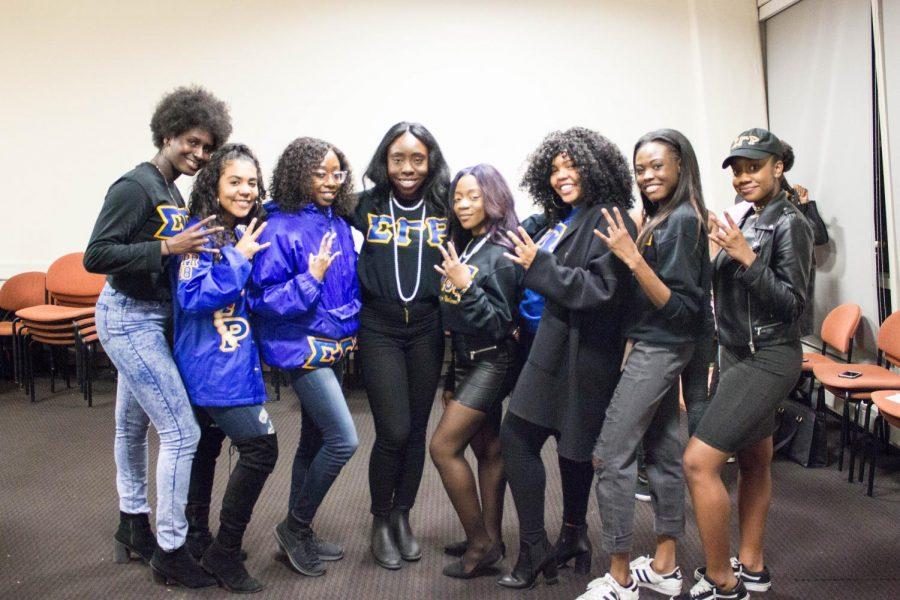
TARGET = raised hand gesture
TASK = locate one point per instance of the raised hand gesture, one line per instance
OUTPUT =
(524, 246)
(191, 240)
(453, 269)
(319, 263)
(618, 239)
(731, 239)
(248, 245)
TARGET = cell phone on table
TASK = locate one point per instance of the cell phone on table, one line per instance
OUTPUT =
(850, 374)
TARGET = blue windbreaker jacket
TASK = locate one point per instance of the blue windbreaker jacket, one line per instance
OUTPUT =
(299, 322)
(214, 349)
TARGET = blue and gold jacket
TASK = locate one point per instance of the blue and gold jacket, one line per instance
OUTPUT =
(301, 322)
(214, 348)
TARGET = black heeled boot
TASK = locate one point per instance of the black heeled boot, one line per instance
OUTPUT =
(407, 543)
(383, 546)
(573, 542)
(459, 548)
(534, 559)
(133, 536)
(199, 536)
(226, 566)
(178, 567)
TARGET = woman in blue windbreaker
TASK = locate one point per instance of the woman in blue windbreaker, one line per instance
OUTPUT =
(219, 362)
(305, 300)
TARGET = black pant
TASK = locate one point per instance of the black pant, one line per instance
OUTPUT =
(401, 365)
(521, 442)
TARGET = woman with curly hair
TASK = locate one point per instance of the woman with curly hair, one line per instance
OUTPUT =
(401, 342)
(573, 366)
(670, 263)
(480, 293)
(305, 301)
(219, 362)
(142, 225)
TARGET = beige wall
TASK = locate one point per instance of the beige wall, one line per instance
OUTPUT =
(80, 81)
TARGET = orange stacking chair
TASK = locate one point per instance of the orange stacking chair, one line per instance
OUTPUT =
(859, 390)
(838, 330)
(19, 291)
(73, 294)
(888, 416)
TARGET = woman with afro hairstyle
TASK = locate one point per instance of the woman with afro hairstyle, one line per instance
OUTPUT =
(219, 362)
(670, 263)
(573, 366)
(305, 301)
(401, 342)
(141, 225)
(479, 297)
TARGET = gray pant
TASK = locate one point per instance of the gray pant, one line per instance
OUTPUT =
(644, 405)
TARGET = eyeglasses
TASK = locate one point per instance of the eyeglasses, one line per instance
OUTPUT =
(338, 176)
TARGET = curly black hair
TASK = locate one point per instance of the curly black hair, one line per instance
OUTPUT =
(605, 173)
(187, 107)
(292, 181)
(435, 187)
(204, 199)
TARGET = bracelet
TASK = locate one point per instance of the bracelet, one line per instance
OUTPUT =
(465, 289)
(166, 244)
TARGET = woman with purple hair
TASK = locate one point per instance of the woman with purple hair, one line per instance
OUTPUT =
(480, 293)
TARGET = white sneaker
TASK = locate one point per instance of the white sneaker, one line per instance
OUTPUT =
(643, 574)
(607, 588)
(707, 590)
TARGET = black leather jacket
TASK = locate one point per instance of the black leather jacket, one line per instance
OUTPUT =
(761, 305)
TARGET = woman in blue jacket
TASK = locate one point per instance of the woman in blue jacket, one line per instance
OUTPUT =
(305, 299)
(219, 362)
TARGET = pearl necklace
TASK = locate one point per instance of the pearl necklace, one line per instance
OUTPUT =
(403, 297)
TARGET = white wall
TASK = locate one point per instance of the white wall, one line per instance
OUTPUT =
(489, 79)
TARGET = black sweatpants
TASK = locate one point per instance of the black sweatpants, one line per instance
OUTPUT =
(401, 364)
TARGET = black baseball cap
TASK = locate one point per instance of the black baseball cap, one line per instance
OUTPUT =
(754, 143)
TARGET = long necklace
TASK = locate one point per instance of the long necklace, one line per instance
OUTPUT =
(403, 297)
(165, 181)
(466, 255)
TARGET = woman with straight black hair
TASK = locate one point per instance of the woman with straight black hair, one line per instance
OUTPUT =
(574, 362)
(141, 225)
(760, 278)
(479, 298)
(670, 264)
(401, 342)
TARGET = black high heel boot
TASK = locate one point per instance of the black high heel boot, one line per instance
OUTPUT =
(534, 559)
(133, 536)
(198, 537)
(573, 542)
(178, 567)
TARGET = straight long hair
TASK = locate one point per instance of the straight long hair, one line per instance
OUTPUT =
(688, 188)
(499, 206)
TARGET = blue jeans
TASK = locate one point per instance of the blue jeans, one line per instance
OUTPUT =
(327, 438)
(133, 334)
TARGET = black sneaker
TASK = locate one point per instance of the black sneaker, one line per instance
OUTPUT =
(754, 581)
(300, 547)
(642, 489)
(707, 590)
(327, 550)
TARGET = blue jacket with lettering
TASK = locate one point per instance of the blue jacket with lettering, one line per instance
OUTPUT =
(214, 349)
(300, 322)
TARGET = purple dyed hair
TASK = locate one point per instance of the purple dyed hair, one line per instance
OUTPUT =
(499, 206)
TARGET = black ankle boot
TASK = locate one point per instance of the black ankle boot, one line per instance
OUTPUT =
(178, 567)
(407, 543)
(198, 536)
(533, 560)
(383, 545)
(133, 536)
(573, 542)
(228, 569)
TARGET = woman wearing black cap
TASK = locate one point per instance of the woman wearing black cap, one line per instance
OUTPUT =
(760, 281)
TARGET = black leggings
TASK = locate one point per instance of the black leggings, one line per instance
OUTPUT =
(521, 442)
(401, 365)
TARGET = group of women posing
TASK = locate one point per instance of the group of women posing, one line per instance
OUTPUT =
(587, 320)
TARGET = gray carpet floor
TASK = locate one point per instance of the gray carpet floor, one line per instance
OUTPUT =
(58, 511)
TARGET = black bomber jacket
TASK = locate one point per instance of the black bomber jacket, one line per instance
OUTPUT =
(761, 305)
